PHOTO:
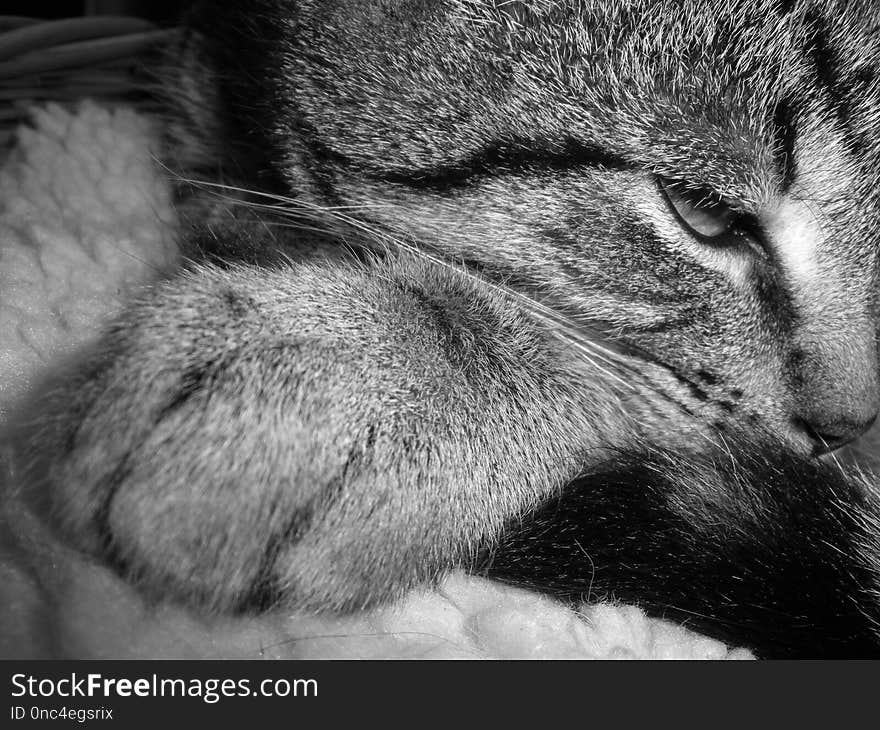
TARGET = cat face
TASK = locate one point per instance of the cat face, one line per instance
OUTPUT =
(693, 186)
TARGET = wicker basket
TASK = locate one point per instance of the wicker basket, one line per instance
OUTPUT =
(99, 56)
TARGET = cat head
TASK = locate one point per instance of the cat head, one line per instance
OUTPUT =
(693, 183)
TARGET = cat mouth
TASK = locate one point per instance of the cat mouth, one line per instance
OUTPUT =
(825, 443)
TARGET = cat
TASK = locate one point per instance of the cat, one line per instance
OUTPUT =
(571, 293)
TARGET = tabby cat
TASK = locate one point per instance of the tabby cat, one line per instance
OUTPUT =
(570, 292)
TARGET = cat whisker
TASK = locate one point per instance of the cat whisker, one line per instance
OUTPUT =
(560, 325)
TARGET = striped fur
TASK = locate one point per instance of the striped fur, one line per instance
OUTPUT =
(449, 273)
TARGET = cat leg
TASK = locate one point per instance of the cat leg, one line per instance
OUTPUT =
(322, 435)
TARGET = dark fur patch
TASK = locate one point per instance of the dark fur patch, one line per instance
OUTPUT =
(514, 157)
(191, 382)
(785, 134)
(826, 69)
(110, 549)
(785, 7)
(750, 545)
(239, 306)
(319, 160)
(823, 56)
(267, 590)
(709, 378)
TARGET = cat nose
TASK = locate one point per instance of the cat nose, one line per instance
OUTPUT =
(830, 431)
(837, 386)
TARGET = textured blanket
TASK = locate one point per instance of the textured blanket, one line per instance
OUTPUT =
(85, 218)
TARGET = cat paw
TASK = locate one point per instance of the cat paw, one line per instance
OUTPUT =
(237, 443)
(194, 450)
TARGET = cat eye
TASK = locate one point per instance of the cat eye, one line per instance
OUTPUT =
(709, 218)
